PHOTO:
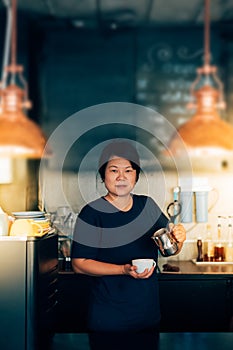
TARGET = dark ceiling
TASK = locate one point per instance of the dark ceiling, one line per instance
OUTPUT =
(126, 12)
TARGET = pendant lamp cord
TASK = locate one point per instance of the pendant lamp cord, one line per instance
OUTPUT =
(207, 33)
(6, 51)
(13, 34)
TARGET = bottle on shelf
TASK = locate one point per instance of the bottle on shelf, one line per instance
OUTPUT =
(208, 245)
(219, 252)
(229, 246)
(199, 250)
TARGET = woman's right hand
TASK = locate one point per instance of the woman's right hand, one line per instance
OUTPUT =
(131, 271)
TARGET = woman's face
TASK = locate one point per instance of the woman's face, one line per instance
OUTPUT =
(120, 177)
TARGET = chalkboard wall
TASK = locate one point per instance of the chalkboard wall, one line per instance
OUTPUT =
(153, 67)
(75, 68)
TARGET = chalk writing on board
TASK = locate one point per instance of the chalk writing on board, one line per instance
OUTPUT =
(164, 52)
(165, 77)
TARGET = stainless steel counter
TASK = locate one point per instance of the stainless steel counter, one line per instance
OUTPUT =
(190, 268)
(28, 290)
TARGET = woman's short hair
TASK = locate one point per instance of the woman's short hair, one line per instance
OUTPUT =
(123, 149)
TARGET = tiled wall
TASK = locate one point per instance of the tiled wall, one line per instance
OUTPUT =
(79, 189)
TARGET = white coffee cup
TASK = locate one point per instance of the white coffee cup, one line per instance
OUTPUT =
(143, 264)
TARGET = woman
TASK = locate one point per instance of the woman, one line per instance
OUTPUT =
(109, 233)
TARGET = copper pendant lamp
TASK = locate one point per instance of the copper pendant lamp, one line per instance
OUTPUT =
(205, 134)
(19, 136)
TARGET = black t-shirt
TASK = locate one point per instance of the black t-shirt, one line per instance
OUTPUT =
(104, 233)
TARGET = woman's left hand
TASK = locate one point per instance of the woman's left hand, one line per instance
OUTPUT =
(131, 271)
(179, 233)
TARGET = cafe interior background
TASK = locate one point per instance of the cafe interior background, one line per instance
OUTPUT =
(77, 55)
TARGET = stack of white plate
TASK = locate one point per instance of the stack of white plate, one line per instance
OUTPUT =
(38, 217)
(29, 215)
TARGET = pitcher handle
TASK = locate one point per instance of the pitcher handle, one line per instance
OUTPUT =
(40, 228)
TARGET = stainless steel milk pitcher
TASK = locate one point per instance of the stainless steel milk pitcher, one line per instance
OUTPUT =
(164, 238)
(165, 242)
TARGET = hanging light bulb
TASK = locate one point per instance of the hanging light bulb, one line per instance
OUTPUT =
(205, 134)
(19, 136)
